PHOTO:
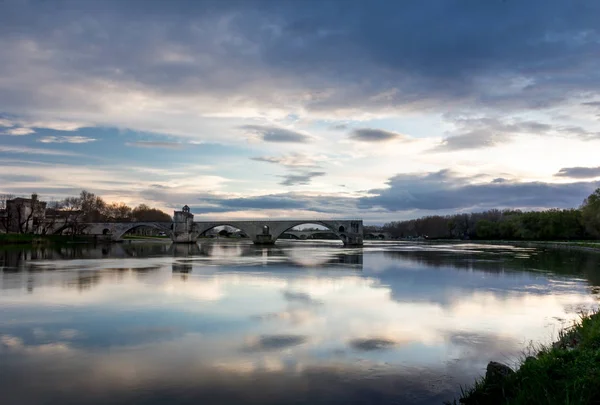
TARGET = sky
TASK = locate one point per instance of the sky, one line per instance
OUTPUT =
(380, 110)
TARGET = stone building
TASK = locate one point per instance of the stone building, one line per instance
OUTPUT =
(23, 215)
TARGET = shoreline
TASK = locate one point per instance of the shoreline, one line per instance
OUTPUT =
(587, 246)
(564, 372)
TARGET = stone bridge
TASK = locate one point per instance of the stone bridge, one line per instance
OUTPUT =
(184, 229)
(266, 232)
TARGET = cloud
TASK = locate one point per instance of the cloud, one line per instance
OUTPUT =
(19, 131)
(276, 134)
(5, 123)
(473, 140)
(185, 73)
(275, 342)
(579, 172)
(446, 190)
(36, 151)
(55, 125)
(156, 144)
(261, 202)
(375, 135)
(484, 132)
(66, 139)
(298, 179)
(293, 160)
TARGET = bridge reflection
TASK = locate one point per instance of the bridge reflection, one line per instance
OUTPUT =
(250, 255)
(36, 259)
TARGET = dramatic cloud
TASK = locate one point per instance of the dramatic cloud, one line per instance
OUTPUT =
(153, 144)
(275, 134)
(445, 190)
(579, 172)
(300, 178)
(298, 57)
(375, 135)
(66, 139)
(304, 78)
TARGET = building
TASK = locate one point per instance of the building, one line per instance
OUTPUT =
(23, 215)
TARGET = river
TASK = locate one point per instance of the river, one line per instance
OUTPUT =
(297, 323)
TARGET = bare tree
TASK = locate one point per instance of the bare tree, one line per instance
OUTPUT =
(5, 214)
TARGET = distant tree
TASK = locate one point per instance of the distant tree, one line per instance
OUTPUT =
(590, 213)
(117, 212)
(143, 213)
(92, 206)
(485, 229)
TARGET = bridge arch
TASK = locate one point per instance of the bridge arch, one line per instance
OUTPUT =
(214, 225)
(331, 228)
(122, 228)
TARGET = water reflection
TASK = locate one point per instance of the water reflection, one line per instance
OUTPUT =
(297, 322)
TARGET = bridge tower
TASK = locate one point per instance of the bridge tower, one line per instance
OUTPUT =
(183, 226)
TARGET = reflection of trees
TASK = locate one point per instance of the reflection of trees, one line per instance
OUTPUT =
(563, 262)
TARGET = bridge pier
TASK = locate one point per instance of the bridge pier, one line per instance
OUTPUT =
(184, 230)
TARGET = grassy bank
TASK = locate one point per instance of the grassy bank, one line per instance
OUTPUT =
(566, 372)
(28, 239)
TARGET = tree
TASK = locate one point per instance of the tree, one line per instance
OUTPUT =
(72, 213)
(118, 212)
(143, 213)
(92, 206)
(5, 213)
(590, 213)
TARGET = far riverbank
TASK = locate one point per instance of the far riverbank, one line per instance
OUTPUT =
(586, 246)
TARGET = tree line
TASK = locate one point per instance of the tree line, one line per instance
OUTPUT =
(553, 224)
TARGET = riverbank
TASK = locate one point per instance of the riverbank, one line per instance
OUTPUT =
(28, 239)
(566, 372)
(586, 246)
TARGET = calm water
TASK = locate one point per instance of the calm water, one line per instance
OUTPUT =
(298, 323)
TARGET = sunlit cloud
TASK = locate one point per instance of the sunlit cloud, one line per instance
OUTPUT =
(19, 131)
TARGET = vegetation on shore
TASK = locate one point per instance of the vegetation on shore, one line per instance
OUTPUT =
(566, 372)
(578, 224)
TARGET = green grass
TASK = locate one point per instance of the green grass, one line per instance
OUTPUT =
(567, 372)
